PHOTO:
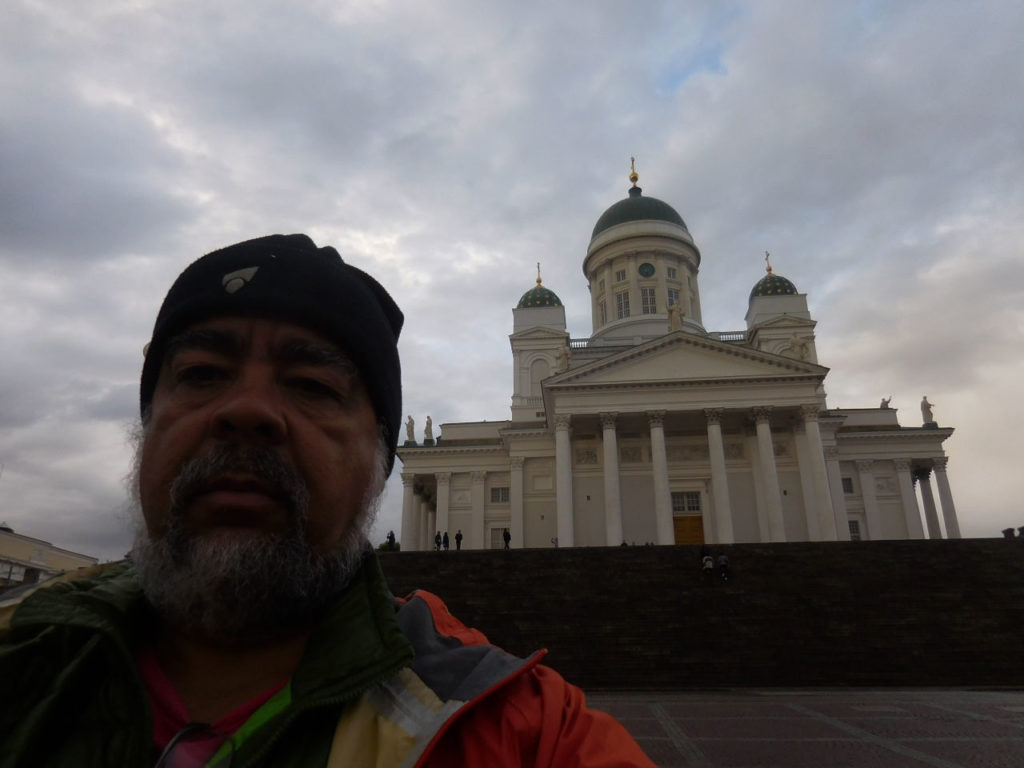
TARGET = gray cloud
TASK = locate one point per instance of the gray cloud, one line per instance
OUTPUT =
(876, 150)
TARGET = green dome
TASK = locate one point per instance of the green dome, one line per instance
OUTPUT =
(773, 285)
(539, 297)
(636, 207)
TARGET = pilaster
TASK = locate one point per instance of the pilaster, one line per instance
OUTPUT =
(869, 494)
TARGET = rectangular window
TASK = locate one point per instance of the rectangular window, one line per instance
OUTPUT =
(847, 485)
(603, 309)
(620, 275)
(671, 272)
(854, 530)
(673, 296)
(600, 286)
(647, 302)
(685, 502)
(622, 305)
(499, 495)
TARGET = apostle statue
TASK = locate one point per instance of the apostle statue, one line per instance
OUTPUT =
(675, 318)
(562, 363)
(926, 410)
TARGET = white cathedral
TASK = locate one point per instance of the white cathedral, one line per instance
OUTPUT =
(655, 430)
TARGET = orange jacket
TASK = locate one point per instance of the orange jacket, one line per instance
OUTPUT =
(532, 716)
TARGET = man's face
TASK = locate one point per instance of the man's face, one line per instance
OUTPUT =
(245, 383)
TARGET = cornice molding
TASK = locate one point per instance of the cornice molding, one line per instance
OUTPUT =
(800, 368)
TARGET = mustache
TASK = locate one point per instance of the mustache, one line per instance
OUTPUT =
(275, 476)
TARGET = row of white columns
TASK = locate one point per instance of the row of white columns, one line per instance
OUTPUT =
(820, 478)
(945, 498)
(421, 520)
(906, 477)
(821, 513)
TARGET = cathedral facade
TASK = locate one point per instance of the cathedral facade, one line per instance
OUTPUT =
(656, 430)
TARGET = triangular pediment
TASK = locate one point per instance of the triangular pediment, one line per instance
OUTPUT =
(681, 356)
(539, 332)
(785, 321)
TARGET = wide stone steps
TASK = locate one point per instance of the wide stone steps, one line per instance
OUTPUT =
(892, 613)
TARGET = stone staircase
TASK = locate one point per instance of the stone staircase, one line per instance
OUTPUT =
(886, 613)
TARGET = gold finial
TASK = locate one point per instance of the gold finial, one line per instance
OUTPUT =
(633, 175)
(767, 264)
(538, 273)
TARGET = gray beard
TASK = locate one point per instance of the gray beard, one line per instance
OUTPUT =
(250, 589)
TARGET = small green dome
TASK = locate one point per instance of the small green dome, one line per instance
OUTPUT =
(636, 207)
(773, 285)
(539, 297)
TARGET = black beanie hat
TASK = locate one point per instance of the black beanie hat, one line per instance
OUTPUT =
(288, 277)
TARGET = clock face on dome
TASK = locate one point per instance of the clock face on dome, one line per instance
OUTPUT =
(646, 270)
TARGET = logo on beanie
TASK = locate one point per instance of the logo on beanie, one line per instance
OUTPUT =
(235, 281)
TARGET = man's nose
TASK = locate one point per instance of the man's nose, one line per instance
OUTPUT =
(251, 412)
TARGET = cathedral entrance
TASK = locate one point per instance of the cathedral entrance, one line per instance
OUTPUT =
(689, 529)
(687, 517)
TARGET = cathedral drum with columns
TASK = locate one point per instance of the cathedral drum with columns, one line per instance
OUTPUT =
(655, 430)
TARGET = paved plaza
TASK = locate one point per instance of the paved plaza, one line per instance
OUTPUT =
(853, 728)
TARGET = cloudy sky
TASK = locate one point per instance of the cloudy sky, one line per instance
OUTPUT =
(875, 148)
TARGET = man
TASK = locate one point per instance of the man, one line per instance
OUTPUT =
(253, 625)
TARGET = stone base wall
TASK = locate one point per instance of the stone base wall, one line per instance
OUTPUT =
(886, 613)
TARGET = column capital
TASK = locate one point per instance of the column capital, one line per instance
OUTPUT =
(408, 478)
(902, 465)
(479, 476)
(762, 413)
(655, 418)
(865, 465)
(563, 421)
(516, 462)
(607, 420)
(713, 415)
(443, 478)
(939, 463)
(810, 412)
(831, 452)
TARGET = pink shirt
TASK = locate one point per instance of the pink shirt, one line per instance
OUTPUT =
(170, 715)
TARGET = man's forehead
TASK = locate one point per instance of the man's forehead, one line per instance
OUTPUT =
(244, 330)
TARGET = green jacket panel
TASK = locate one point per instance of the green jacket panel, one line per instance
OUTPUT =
(75, 698)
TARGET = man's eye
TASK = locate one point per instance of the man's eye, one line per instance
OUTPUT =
(199, 375)
(314, 388)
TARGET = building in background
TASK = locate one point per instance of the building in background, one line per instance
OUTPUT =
(656, 430)
(24, 560)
